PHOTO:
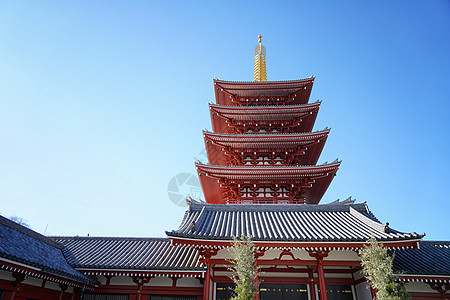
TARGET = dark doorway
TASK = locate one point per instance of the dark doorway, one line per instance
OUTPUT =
(224, 291)
(283, 291)
(339, 292)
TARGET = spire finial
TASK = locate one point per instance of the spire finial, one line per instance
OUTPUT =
(260, 73)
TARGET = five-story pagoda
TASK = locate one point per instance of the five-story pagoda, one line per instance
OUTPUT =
(262, 149)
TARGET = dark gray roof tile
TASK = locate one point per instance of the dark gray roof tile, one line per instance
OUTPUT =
(25, 246)
(299, 223)
(128, 253)
(432, 258)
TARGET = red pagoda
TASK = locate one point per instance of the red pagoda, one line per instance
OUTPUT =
(262, 150)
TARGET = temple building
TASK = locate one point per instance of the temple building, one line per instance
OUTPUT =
(262, 180)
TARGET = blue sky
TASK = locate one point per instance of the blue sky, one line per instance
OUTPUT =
(102, 103)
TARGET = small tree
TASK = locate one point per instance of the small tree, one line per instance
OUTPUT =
(245, 271)
(20, 221)
(377, 267)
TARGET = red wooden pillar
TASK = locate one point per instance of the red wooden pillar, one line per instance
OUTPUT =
(16, 283)
(321, 276)
(206, 283)
(63, 289)
(312, 287)
(258, 253)
(76, 293)
(140, 281)
(320, 255)
(373, 292)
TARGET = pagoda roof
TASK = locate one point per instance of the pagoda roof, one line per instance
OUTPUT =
(300, 224)
(321, 175)
(33, 251)
(274, 112)
(272, 172)
(300, 89)
(431, 258)
(216, 142)
(221, 113)
(283, 140)
(126, 253)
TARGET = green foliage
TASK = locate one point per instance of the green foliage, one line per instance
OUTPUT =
(245, 271)
(377, 267)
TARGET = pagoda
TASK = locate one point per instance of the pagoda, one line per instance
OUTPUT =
(262, 149)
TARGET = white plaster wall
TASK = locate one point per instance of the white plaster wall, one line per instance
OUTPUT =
(271, 254)
(122, 280)
(419, 287)
(342, 255)
(52, 285)
(160, 281)
(33, 281)
(302, 254)
(222, 273)
(5, 275)
(102, 279)
(188, 282)
(223, 254)
(363, 291)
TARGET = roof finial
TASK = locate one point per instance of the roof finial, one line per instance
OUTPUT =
(260, 73)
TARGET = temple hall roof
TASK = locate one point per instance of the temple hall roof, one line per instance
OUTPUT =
(432, 258)
(128, 253)
(25, 246)
(344, 223)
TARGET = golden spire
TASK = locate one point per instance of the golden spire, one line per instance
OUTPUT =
(260, 73)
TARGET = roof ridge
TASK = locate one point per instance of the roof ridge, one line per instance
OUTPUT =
(195, 205)
(31, 233)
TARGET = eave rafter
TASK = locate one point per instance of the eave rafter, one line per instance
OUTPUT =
(296, 245)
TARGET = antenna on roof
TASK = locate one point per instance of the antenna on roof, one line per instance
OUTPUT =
(260, 73)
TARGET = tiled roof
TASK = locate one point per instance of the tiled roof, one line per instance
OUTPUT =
(128, 253)
(290, 223)
(287, 140)
(432, 258)
(25, 246)
(264, 112)
(266, 88)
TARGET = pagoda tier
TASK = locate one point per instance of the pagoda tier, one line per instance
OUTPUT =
(264, 149)
(265, 184)
(252, 93)
(263, 119)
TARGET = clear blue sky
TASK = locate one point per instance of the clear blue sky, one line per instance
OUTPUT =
(103, 102)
